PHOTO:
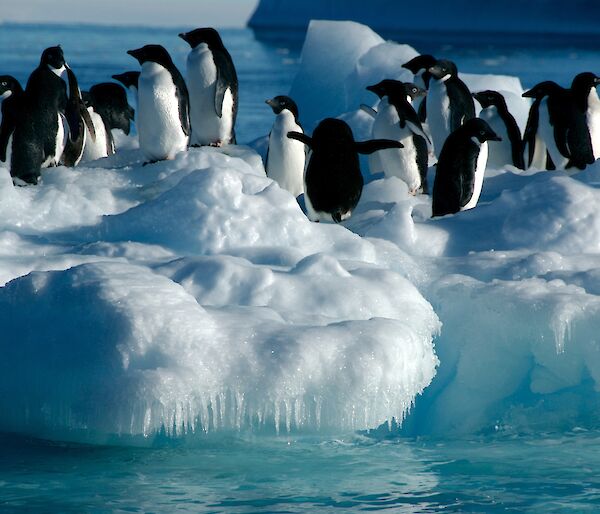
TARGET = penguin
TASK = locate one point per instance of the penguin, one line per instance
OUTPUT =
(449, 102)
(108, 109)
(163, 122)
(10, 96)
(39, 129)
(333, 182)
(397, 120)
(418, 66)
(285, 157)
(80, 123)
(585, 95)
(129, 79)
(562, 126)
(213, 86)
(535, 153)
(502, 122)
(461, 167)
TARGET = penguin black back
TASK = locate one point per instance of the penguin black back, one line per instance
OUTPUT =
(457, 167)
(109, 100)
(12, 92)
(333, 179)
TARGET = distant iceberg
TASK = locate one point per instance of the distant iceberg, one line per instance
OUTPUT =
(384, 16)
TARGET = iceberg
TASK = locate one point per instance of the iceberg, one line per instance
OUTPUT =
(193, 296)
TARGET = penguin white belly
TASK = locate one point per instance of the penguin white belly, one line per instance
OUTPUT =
(397, 162)
(62, 133)
(95, 149)
(158, 123)
(479, 174)
(593, 121)
(546, 133)
(438, 114)
(287, 156)
(314, 215)
(8, 153)
(540, 154)
(207, 127)
(500, 154)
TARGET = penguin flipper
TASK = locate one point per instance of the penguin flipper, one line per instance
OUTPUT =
(530, 131)
(226, 79)
(467, 181)
(369, 110)
(368, 147)
(303, 138)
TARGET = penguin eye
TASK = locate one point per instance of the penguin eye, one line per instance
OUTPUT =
(482, 133)
(4, 84)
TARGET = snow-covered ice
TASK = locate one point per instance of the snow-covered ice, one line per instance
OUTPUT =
(193, 295)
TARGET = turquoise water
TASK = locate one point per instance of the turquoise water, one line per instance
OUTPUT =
(240, 473)
(237, 474)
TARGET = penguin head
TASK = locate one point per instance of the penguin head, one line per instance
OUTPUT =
(443, 70)
(8, 86)
(332, 131)
(128, 79)
(53, 57)
(489, 98)
(282, 102)
(585, 81)
(395, 88)
(542, 89)
(478, 129)
(152, 53)
(206, 35)
(420, 62)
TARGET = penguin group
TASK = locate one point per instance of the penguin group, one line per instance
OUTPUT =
(435, 119)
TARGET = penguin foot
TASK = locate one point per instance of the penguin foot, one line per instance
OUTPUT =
(216, 144)
(151, 162)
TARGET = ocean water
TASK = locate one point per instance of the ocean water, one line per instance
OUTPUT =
(231, 473)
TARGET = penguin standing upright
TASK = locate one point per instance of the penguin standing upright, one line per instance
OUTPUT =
(130, 80)
(162, 121)
(213, 86)
(333, 182)
(449, 102)
(502, 122)
(80, 123)
(108, 108)
(10, 95)
(535, 152)
(461, 167)
(583, 89)
(39, 130)
(562, 126)
(285, 157)
(418, 66)
(397, 120)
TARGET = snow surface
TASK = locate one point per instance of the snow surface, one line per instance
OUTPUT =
(193, 295)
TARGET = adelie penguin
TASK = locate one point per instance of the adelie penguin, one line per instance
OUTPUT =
(163, 122)
(418, 66)
(109, 110)
(213, 85)
(502, 122)
(461, 167)
(285, 157)
(585, 95)
(39, 130)
(333, 182)
(397, 120)
(449, 102)
(560, 125)
(10, 96)
(130, 80)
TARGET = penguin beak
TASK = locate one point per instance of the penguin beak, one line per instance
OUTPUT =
(375, 89)
(528, 94)
(597, 80)
(270, 102)
(494, 137)
(183, 35)
(136, 54)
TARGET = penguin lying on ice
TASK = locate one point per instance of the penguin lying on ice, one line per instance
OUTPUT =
(333, 182)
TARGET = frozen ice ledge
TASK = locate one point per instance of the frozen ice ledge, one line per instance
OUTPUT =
(387, 17)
